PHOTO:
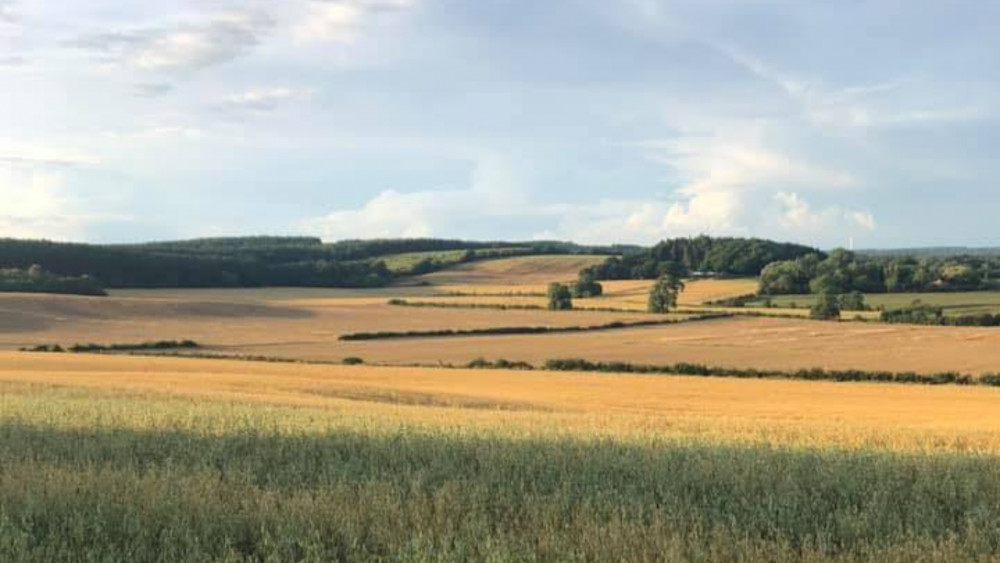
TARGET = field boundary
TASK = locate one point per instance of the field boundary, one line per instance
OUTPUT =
(510, 330)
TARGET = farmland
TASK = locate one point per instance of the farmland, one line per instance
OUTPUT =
(953, 303)
(113, 457)
(230, 460)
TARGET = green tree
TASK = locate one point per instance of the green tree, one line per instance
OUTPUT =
(560, 297)
(586, 285)
(853, 301)
(663, 295)
(827, 307)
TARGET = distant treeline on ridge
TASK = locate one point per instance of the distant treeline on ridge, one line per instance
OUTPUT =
(784, 268)
(685, 256)
(236, 262)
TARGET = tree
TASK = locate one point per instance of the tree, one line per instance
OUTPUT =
(586, 285)
(827, 307)
(853, 301)
(663, 295)
(560, 298)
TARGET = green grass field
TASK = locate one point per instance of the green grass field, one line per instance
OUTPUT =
(404, 263)
(958, 303)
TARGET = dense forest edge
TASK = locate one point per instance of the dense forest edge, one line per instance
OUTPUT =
(783, 268)
(56, 267)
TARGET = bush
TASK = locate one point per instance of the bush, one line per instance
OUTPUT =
(352, 361)
(827, 307)
(560, 297)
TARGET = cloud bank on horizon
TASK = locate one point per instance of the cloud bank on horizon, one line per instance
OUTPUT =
(583, 120)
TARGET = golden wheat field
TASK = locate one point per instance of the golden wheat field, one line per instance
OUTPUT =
(776, 412)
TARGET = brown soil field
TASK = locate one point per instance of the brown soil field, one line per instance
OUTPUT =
(538, 403)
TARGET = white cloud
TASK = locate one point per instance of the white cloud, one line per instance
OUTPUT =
(153, 89)
(8, 16)
(722, 177)
(12, 152)
(342, 21)
(35, 205)
(718, 205)
(798, 215)
(263, 100)
(184, 45)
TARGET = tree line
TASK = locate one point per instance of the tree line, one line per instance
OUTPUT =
(241, 261)
(36, 280)
(703, 254)
(843, 272)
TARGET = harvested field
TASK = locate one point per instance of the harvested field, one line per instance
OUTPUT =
(534, 271)
(700, 292)
(312, 324)
(309, 329)
(781, 344)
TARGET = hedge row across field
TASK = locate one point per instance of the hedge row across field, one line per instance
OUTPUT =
(100, 348)
(811, 374)
(508, 330)
(690, 369)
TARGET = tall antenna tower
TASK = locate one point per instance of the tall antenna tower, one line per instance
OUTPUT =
(850, 243)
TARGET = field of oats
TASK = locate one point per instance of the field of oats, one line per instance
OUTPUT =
(165, 459)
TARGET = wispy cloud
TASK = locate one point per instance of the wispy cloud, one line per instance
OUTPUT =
(8, 15)
(12, 152)
(341, 21)
(153, 89)
(262, 100)
(185, 45)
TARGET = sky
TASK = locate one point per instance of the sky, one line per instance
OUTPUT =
(599, 122)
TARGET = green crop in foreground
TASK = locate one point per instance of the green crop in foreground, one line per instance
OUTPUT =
(138, 478)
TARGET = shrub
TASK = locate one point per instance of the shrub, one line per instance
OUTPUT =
(827, 307)
(560, 298)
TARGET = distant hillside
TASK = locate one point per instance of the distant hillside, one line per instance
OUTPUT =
(258, 261)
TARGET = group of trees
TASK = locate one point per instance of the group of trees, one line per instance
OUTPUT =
(662, 296)
(683, 256)
(844, 272)
(36, 280)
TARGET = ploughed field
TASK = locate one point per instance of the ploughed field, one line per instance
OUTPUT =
(144, 458)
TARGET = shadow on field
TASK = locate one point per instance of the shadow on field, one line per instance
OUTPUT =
(349, 495)
(418, 399)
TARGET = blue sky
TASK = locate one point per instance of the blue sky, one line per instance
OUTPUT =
(586, 120)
